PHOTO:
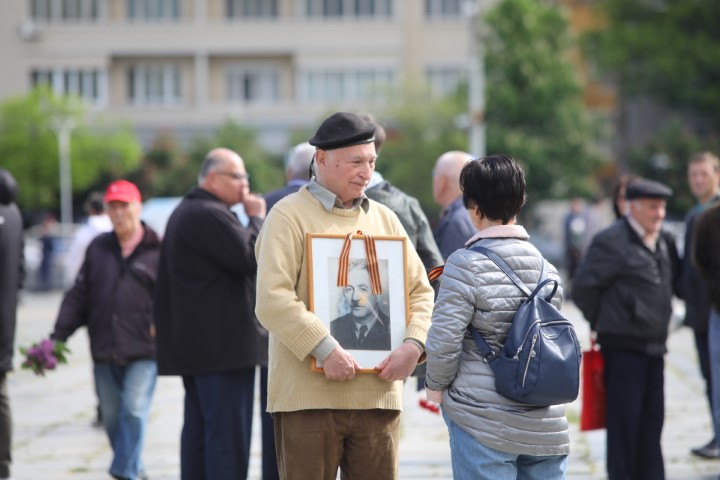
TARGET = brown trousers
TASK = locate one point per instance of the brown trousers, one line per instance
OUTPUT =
(313, 444)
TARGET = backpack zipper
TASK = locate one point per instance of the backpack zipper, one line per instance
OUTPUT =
(530, 357)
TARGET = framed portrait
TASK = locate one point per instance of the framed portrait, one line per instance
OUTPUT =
(367, 325)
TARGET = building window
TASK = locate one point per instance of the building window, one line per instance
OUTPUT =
(156, 84)
(64, 10)
(327, 86)
(88, 84)
(153, 9)
(252, 8)
(253, 85)
(348, 8)
(444, 81)
(443, 8)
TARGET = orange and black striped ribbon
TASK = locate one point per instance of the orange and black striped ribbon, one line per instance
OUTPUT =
(435, 273)
(372, 262)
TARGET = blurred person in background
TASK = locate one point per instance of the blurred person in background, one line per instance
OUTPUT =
(706, 256)
(406, 207)
(207, 331)
(455, 227)
(624, 288)
(48, 237)
(297, 171)
(619, 203)
(97, 222)
(113, 297)
(704, 181)
(413, 220)
(574, 229)
(12, 276)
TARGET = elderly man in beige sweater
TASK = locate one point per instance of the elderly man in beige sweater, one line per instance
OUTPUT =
(337, 418)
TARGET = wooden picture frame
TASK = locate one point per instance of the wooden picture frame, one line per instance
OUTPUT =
(345, 309)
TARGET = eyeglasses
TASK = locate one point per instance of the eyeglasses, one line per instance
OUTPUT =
(236, 176)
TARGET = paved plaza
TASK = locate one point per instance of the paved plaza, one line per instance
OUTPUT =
(54, 438)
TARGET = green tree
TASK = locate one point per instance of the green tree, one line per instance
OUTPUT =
(266, 172)
(535, 109)
(29, 146)
(668, 50)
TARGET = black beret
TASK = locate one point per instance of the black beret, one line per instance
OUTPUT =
(642, 188)
(343, 129)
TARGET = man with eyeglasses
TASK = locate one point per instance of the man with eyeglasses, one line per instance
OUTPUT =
(207, 331)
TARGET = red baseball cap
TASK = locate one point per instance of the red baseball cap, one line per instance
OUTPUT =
(122, 191)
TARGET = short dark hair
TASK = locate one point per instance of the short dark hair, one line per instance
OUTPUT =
(94, 204)
(495, 185)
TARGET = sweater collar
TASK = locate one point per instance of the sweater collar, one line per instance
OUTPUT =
(500, 231)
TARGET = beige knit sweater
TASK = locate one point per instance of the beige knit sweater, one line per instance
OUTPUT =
(283, 297)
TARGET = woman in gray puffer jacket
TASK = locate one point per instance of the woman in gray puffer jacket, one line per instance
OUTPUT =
(491, 436)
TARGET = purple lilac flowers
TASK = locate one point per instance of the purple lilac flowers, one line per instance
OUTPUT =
(44, 356)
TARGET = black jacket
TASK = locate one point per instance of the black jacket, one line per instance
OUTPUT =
(413, 220)
(113, 297)
(707, 251)
(690, 284)
(625, 291)
(205, 297)
(12, 272)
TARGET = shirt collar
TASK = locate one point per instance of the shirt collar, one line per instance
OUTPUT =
(649, 239)
(329, 200)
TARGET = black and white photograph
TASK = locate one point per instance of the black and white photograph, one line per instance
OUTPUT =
(368, 325)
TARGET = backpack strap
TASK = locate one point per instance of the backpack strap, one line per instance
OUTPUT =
(504, 267)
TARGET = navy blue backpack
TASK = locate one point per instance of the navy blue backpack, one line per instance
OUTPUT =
(540, 361)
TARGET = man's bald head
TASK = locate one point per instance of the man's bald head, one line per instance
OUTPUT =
(446, 176)
(223, 174)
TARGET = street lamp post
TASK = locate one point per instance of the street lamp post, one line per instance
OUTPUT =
(476, 83)
(63, 128)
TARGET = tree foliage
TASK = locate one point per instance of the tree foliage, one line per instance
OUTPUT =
(668, 50)
(535, 109)
(29, 147)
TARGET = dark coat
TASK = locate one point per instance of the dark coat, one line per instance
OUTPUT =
(413, 220)
(271, 198)
(205, 296)
(697, 302)
(454, 229)
(625, 290)
(707, 251)
(12, 271)
(378, 338)
(113, 297)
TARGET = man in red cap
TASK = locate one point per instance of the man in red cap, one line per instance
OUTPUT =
(113, 297)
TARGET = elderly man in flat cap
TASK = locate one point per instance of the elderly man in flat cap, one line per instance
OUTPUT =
(624, 287)
(336, 418)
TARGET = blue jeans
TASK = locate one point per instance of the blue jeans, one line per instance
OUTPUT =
(125, 393)
(472, 459)
(714, 351)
